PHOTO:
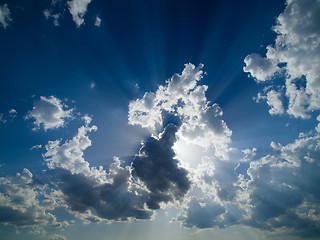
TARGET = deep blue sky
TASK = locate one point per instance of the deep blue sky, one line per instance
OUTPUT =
(98, 70)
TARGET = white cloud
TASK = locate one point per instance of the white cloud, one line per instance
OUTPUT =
(182, 98)
(297, 49)
(36, 147)
(261, 69)
(98, 22)
(49, 113)
(69, 155)
(273, 99)
(5, 17)
(78, 9)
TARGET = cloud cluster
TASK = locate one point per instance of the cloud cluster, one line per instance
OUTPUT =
(182, 97)
(5, 17)
(294, 57)
(49, 113)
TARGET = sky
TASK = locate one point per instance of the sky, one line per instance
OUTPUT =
(159, 119)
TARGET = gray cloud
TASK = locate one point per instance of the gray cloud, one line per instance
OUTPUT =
(157, 168)
(202, 214)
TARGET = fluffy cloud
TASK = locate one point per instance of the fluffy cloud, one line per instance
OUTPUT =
(182, 98)
(5, 17)
(69, 155)
(50, 113)
(295, 56)
(273, 99)
(157, 168)
(78, 9)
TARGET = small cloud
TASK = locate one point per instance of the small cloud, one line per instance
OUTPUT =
(2, 118)
(92, 85)
(49, 113)
(78, 9)
(98, 22)
(36, 147)
(13, 113)
(5, 17)
(55, 17)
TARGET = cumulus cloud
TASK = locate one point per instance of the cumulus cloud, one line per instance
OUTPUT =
(49, 113)
(273, 99)
(93, 193)
(78, 9)
(183, 98)
(295, 56)
(5, 15)
(271, 192)
(157, 168)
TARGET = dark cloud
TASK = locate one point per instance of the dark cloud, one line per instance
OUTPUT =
(157, 167)
(117, 200)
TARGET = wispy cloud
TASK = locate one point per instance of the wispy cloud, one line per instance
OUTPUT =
(5, 15)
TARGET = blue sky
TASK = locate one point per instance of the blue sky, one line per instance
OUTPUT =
(159, 119)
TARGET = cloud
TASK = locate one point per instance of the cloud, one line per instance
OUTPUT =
(273, 99)
(49, 113)
(36, 147)
(182, 98)
(283, 186)
(97, 22)
(270, 192)
(69, 155)
(22, 201)
(294, 56)
(92, 193)
(55, 17)
(262, 69)
(202, 214)
(78, 9)
(5, 17)
(157, 167)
